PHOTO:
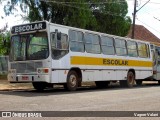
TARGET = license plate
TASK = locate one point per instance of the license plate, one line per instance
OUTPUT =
(25, 78)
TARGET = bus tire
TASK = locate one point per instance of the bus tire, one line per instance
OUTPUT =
(72, 81)
(139, 82)
(159, 82)
(102, 84)
(39, 86)
(130, 80)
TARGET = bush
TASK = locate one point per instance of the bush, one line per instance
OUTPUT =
(3, 77)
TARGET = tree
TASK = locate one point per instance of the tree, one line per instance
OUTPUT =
(4, 40)
(4, 43)
(74, 14)
(111, 17)
(104, 16)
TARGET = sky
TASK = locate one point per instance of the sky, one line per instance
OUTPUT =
(148, 16)
(11, 20)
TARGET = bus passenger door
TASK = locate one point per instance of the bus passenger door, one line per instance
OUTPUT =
(156, 64)
(158, 70)
(59, 50)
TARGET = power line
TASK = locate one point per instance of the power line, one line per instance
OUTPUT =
(116, 2)
(84, 2)
(64, 4)
(108, 13)
(156, 18)
(151, 2)
(148, 25)
(147, 12)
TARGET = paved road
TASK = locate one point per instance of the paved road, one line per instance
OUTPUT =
(114, 98)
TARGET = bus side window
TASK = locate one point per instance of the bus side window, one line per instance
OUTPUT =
(148, 51)
(59, 45)
(153, 57)
(132, 49)
(92, 43)
(76, 41)
(107, 45)
(142, 50)
(53, 41)
(158, 52)
(120, 46)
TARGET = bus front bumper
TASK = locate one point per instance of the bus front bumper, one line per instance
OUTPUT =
(28, 78)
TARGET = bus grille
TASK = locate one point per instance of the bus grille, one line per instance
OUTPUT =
(29, 67)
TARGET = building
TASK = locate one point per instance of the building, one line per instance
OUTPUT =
(142, 33)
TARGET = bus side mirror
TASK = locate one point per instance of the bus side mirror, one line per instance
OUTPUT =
(58, 35)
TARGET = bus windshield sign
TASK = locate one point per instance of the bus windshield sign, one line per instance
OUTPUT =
(28, 27)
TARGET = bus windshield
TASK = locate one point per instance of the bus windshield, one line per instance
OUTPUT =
(29, 47)
(157, 53)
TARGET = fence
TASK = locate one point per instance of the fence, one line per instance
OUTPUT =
(3, 65)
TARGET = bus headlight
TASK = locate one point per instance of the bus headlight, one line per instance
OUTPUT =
(12, 71)
(43, 70)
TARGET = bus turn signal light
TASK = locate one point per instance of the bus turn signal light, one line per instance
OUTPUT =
(43, 70)
(46, 70)
(154, 72)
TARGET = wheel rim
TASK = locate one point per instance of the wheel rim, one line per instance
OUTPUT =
(130, 78)
(73, 80)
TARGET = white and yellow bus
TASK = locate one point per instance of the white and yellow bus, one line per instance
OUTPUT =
(45, 54)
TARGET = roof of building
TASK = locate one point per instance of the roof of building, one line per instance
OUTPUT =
(142, 33)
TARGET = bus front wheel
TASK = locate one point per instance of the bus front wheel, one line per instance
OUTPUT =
(72, 81)
(39, 86)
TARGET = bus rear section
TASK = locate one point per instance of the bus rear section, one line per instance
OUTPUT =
(155, 49)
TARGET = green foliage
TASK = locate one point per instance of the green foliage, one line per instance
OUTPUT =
(74, 14)
(103, 16)
(4, 43)
(111, 17)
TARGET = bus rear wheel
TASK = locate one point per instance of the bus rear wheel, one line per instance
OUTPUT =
(39, 86)
(72, 81)
(130, 80)
(102, 84)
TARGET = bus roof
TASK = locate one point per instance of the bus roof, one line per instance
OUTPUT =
(95, 32)
(40, 25)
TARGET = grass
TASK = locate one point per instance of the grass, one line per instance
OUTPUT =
(3, 77)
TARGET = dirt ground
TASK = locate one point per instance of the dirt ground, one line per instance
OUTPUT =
(5, 85)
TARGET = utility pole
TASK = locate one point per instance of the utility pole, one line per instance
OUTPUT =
(134, 16)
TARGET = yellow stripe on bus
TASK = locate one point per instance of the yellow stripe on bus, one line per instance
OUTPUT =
(77, 60)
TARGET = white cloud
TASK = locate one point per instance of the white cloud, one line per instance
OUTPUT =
(11, 19)
(145, 16)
